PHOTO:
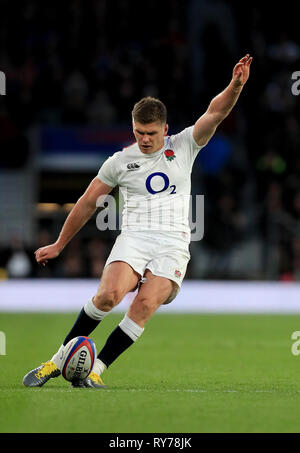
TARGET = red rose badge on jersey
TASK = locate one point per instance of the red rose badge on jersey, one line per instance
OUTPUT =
(169, 153)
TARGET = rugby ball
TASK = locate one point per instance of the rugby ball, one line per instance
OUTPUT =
(78, 359)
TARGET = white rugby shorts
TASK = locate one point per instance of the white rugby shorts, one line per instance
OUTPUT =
(164, 255)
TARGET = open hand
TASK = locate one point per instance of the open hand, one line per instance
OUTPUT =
(241, 70)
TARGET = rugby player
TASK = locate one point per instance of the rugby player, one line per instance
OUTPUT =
(152, 252)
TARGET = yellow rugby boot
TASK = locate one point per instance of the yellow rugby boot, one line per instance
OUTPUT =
(40, 375)
(92, 381)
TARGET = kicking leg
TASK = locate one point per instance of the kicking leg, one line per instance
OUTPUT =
(117, 280)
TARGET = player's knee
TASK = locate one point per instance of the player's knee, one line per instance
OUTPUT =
(172, 296)
(107, 299)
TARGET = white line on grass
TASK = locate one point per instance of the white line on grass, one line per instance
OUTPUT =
(116, 390)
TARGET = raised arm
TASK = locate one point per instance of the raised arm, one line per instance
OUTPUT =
(223, 103)
(80, 214)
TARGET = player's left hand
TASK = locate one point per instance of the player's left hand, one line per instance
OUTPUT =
(241, 71)
(43, 254)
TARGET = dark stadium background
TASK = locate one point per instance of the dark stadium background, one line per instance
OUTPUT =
(73, 71)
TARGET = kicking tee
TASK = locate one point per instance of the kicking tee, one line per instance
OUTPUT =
(155, 187)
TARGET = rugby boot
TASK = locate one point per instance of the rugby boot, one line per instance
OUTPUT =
(40, 375)
(92, 381)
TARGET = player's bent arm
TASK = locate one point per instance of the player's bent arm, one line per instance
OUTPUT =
(78, 217)
(218, 110)
(82, 211)
(223, 103)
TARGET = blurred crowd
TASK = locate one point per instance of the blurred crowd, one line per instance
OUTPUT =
(87, 62)
(83, 258)
(78, 62)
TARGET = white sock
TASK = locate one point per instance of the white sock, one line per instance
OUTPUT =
(131, 328)
(99, 367)
(58, 356)
(94, 312)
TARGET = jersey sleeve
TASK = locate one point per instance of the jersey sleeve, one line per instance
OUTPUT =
(108, 171)
(185, 143)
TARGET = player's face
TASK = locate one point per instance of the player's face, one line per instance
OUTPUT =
(149, 137)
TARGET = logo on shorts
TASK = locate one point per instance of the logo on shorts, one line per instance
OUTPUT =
(133, 166)
(177, 273)
(169, 153)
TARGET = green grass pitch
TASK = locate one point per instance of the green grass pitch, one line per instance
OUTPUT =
(186, 374)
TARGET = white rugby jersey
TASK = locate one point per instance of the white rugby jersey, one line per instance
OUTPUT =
(155, 187)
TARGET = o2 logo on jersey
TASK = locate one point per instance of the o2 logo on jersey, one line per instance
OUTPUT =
(165, 180)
